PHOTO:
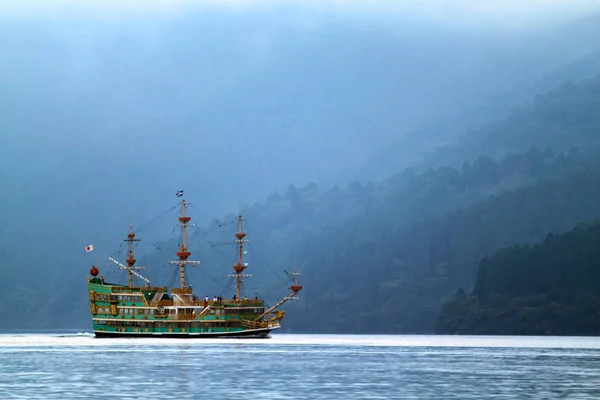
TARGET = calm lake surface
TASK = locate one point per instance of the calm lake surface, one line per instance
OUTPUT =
(66, 366)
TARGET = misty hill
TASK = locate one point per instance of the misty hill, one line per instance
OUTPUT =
(408, 271)
(443, 142)
(552, 287)
(399, 255)
(412, 234)
(561, 119)
(237, 105)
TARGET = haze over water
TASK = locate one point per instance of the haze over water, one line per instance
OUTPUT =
(53, 366)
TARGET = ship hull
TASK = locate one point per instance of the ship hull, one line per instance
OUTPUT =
(245, 334)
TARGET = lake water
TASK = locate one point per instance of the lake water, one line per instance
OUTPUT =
(66, 366)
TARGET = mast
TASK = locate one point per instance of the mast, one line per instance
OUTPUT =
(295, 288)
(240, 266)
(183, 252)
(123, 266)
(130, 258)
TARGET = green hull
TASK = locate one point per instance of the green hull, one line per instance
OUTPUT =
(122, 311)
(244, 334)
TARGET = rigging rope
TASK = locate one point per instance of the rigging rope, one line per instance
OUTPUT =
(156, 219)
(173, 276)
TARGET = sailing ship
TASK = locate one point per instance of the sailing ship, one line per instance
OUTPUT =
(156, 311)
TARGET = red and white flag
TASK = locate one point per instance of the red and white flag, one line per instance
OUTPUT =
(89, 248)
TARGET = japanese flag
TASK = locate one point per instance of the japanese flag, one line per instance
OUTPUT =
(89, 248)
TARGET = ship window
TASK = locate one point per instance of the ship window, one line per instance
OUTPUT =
(101, 322)
(151, 312)
(140, 311)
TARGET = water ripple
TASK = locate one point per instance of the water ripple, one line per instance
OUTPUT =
(300, 366)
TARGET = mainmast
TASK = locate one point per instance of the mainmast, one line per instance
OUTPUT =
(183, 252)
(240, 266)
(130, 258)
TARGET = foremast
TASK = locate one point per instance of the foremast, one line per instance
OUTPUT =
(240, 266)
(183, 252)
(131, 269)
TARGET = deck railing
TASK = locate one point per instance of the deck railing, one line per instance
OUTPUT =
(259, 324)
(181, 291)
(200, 303)
(137, 289)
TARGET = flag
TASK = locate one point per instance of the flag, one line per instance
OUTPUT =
(89, 248)
(179, 194)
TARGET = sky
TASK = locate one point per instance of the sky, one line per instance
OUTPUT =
(514, 12)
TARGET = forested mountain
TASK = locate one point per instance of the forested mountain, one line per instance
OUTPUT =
(405, 243)
(406, 272)
(380, 256)
(107, 127)
(552, 287)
